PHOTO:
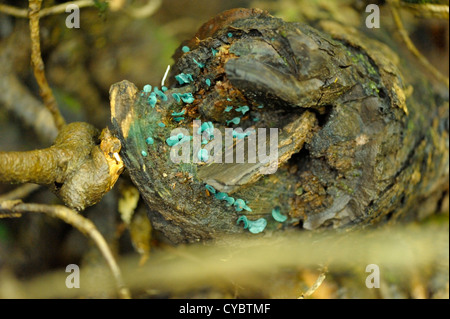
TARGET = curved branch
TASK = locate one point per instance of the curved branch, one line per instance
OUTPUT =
(410, 45)
(38, 64)
(81, 223)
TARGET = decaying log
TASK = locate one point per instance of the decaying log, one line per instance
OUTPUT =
(362, 139)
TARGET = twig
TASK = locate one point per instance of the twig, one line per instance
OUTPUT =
(316, 285)
(19, 192)
(165, 75)
(38, 64)
(60, 8)
(13, 11)
(393, 4)
(81, 223)
(427, 10)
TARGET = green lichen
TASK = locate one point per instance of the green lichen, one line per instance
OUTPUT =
(372, 88)
(346, 188)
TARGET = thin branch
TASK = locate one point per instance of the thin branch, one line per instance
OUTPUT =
(60, 8)
(38, 64)
(13, 11)
(316, 285)
(427, 10)
(393, 5)
(19, 192)
(81, 223)
(15, 53)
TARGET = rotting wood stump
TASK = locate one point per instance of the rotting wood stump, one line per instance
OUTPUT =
(362, 137)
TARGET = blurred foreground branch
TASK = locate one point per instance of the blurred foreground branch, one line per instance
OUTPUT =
(16, 97)
(19, 192)
(248, 262)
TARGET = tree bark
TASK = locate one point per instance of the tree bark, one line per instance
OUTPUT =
(363, 137)
(80, 167)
